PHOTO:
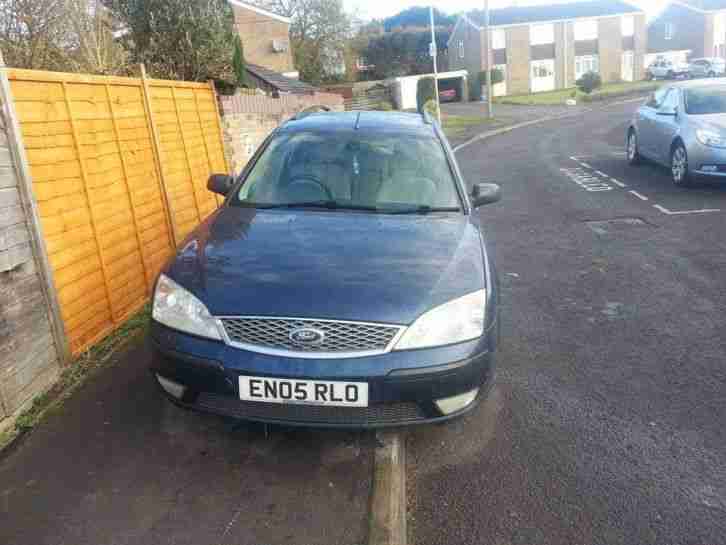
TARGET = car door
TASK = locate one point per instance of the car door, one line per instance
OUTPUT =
(646, 122)
(667, 125)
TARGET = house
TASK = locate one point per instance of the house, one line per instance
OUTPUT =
(548, 47)
(688, 29)
(266, 40)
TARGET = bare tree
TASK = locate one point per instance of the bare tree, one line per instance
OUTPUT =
(33, 33)
(94, 47)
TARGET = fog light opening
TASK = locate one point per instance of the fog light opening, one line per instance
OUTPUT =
(450, 405)
(172, 388)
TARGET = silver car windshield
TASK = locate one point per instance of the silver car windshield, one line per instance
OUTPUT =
(706, 100)
(352, 170)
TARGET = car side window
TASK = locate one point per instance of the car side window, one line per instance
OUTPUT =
(670, 103)
(657, 98)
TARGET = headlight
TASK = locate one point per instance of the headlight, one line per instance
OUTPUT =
(456, 321)
(178, 309)
(711, 138)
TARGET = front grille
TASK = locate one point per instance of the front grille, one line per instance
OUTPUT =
(377, 415)
(338, 337)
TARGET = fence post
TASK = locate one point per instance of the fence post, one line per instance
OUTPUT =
(218, 121)
(25, 188)
(156, 144)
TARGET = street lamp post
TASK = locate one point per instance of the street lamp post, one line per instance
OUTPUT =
(490, 106)
(434, 53)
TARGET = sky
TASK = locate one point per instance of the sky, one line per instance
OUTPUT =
(379, 9)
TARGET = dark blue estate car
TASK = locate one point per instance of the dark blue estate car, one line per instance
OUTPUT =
(345, 282)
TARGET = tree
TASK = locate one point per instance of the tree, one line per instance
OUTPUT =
(425, 92)
(417, 17)
(238, 63)
(32, 33)
(589, 82)
(319, 32)
(93, 47)
(178, 39)
(404, 53)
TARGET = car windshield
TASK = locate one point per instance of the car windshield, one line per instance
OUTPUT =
(383, 172)
(706, 100)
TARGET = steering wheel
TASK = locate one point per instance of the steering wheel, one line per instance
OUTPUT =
(307, 183)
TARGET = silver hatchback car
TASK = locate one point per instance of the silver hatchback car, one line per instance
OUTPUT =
(682, 126)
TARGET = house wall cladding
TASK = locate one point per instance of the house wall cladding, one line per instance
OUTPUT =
(248, 120)
(119, 169)
(29, 358)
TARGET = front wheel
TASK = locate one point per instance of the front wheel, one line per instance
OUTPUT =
(632, 148)
(679, 166)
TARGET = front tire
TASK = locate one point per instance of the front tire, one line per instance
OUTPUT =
(679, 166)
(633, 152)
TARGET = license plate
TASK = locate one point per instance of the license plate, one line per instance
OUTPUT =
(303, 392)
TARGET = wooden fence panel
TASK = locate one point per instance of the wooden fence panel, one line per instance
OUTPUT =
(109, 217)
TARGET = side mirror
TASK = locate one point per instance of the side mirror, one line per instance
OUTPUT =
(220, 183)
(483, 194)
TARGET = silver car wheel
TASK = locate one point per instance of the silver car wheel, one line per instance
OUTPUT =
(632, 146)
(679, 165)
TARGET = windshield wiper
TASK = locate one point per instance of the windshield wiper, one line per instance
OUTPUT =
(331, 205)
(425, 209)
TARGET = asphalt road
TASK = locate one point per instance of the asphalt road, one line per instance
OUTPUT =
(118, 464)
(607, 422)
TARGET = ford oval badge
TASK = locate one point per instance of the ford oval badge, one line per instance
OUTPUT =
(307, 336)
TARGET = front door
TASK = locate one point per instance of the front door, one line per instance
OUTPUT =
(543, 76)
(666, 126)
(647, 120)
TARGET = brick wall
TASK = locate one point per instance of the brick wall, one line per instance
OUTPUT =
(518, 60)
(257, 33)
(247, 120)
(641, 45)
(29, 363)
(610, 46)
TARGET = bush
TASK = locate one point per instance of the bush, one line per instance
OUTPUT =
(496, 74)
(431, 108)
(425, 91)
(589, 82)
(384, 107)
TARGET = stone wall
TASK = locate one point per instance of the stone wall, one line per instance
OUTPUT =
(248, 119)
(29, 361)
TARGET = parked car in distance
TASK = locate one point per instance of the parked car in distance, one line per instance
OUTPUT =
(682, 126)
(448, 95)
(345, 281)
(707, 68)
(666, 69)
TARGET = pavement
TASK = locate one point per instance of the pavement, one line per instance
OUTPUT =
(606, 423)
(119, 464)
(504, 115)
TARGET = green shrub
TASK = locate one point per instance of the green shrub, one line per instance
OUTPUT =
(432, 108)
(425, 91)
(384, 107)
(589, 82)
(496, 73)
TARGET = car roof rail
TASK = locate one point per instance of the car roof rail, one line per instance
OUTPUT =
(311, 110)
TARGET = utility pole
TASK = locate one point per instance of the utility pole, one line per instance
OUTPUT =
(490, 106)
(433, 50)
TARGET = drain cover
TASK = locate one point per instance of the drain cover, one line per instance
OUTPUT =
(601, 227)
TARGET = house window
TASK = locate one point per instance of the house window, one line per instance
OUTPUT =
(499, 39)
(669, 30)
(586, 30)
(461, 49)
(585, 64)
(542, 34)
(628, 26)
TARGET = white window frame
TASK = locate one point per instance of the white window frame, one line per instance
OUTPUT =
(461, 49)
(670, 29)
(586, 31)
(627, 26)
(585, 64)
(499, 38)
(542, 34)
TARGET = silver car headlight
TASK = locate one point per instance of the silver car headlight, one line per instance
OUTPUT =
(178, 309)
(712, 139)
(456, 321)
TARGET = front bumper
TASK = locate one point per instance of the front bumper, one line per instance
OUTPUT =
(399, 393)
(701, 157)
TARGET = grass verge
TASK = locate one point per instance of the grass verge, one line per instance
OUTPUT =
(456, 125)
(76, 374)
(559, 97)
